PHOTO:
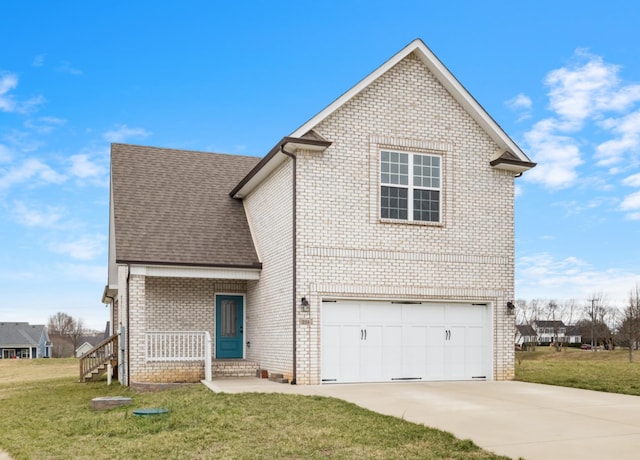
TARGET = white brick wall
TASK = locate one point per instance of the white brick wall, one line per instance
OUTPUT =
(345, 250)
(269, 315)
(172, 304)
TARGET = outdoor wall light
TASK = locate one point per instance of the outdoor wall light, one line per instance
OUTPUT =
(511, 308)
(304, 304)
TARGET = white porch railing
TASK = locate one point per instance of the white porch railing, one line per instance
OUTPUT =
(179, 346)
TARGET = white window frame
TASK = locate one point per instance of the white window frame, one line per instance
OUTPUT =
(410, 187)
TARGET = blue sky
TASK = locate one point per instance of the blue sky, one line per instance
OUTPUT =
(562, 79)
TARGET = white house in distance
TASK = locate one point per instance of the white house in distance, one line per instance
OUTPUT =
(374, 243)
(548, 330)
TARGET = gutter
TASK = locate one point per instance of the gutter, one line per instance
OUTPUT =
(315, 144)
(296, 142)
(295, 258)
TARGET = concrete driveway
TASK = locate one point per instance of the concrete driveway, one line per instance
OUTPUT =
(515, 419)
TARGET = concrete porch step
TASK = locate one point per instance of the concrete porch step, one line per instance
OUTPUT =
(233, 368)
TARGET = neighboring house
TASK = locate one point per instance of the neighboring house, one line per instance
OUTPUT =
(547, 331)
(525, 334)
(573, 335)
(374, 243)
(83, 348)
(22, 340)
(87, 342)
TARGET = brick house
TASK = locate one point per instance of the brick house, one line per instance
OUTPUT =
(373, 243)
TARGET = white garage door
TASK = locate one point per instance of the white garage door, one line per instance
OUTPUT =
(374, 341)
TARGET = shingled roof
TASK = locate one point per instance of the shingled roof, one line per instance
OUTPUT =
(173, 207)
(20, 334)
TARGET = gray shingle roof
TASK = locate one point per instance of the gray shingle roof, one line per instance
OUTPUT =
(20, 334)
(525, 330)
(173, 207)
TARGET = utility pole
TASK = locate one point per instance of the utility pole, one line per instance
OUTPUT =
(593, 300)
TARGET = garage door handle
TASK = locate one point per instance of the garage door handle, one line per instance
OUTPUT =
(363, 334)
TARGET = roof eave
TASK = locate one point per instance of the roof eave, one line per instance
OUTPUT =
(512, 165)
(273, 159)
(254, 266)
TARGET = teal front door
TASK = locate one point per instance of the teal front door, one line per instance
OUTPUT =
(229, 326)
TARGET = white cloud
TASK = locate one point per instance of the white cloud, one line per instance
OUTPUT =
(38, 61)
(66, 67)
(583, 90)
(31, 217)
(5, 154)
(557, 156)
(44, 125)
(542, 276)
(30, 170)
(517, 191)
(628, 129)
(122, 133)
(8, 81)
(631, 202)
(84, 248)
(83, 168)
(521, 101)
(632, 181)
(8, 103)
(94, 273)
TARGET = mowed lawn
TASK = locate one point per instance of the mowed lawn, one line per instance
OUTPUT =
(601, 370)
(45, 413)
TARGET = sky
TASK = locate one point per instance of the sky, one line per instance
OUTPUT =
(561, 78)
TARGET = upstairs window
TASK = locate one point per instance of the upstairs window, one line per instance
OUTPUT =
(410, 186)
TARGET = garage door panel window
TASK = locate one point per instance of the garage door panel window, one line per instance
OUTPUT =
(410, 186)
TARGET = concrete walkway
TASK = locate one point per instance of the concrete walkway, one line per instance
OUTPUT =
(515, 419)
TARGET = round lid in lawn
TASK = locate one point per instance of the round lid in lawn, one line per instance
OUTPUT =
(144, 412)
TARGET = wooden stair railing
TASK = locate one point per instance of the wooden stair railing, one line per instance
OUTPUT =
(94, 362)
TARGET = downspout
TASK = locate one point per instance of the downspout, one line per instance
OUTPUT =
(295, 271)
(128, 329)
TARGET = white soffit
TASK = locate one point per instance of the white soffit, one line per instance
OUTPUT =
(166, 271)
(445, 77)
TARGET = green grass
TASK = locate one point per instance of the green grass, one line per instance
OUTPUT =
(608, 371)
(53, 419)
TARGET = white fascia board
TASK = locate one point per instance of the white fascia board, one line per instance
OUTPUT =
(263, 173)
(168, 271)
(445, 77)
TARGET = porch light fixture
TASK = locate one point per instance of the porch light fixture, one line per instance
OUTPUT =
(304, 304)
(511, 308)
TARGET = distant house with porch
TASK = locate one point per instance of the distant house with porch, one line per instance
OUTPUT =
(22, 340)
(547, 331)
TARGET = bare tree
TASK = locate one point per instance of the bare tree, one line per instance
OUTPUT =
(630, 324)
(527, 313)
(60, 324)
(551, 309)
(64, 332)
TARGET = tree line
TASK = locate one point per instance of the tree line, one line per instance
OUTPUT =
(596, 320)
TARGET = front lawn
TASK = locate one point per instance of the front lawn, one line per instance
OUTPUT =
(601, 370)
(53, 419)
